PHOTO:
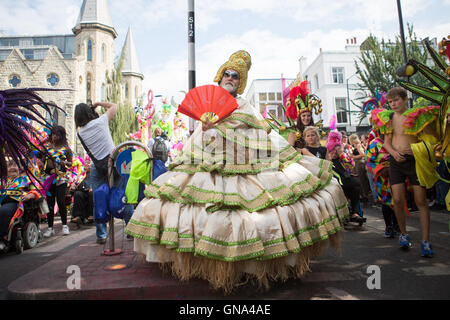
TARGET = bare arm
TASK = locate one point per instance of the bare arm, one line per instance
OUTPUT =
(291, 138)
(306, 152)
(111, 108)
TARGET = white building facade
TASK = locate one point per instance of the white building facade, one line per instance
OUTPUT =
(268, 92)
(333, 78)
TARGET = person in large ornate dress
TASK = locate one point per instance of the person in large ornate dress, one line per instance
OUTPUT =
(256, 209)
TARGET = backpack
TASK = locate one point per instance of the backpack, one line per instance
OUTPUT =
(159, 150)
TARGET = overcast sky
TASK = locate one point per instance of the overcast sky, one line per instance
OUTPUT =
(276, 33)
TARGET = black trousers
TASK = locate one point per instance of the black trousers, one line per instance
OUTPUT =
(351, 189)
(83, 204)
(58, 193)
(389, 216)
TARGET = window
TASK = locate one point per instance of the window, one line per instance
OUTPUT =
(14, 80)
(316, 81)
(52, 116)
(338, 74)
(262, 107)
(279, 96)
(52, 79)
(88, 88)
(4, 55)
(341, 110)
(103, 52)
(273, 109)
(262, 96)
(271, 96)
(28, 53)
(89, 50)
(126, 90)
(40, 54)
(28, 42)
(136, 92)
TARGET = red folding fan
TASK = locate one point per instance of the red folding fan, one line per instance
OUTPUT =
(208, 102)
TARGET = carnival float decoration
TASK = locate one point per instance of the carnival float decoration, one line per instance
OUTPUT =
(298, 99)
(144, 117)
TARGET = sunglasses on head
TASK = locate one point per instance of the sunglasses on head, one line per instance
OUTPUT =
(232, 74)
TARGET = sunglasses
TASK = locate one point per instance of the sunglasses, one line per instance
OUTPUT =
(232, 74)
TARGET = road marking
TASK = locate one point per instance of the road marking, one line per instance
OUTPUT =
(341, 294)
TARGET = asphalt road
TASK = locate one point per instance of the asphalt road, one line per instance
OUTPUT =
(13, 266)
(369, 266)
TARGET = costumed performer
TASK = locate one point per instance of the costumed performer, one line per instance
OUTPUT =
(343, 167)
(399, 142)
(377, 165)
(300, 107)
(215, 217)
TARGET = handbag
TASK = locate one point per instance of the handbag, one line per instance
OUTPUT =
(100, 165)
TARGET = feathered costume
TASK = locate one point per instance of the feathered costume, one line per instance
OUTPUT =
(261, 211)
(299, 100)
(18, 109)
(430, 148)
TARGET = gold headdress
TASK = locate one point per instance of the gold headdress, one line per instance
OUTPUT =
(239, 61)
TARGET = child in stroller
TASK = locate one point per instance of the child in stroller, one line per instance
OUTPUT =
(20, 209)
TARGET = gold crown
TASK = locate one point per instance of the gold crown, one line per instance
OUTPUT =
(239, 61)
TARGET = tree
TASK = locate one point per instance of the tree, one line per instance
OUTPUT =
(125, 121)
(380, 60)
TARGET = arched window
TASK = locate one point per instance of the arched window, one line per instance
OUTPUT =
(103, 52)
(88, 88)
(89, 50)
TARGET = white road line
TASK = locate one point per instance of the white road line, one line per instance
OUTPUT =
(341, 294)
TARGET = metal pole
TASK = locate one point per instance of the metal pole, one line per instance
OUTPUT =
(348, 103)
(191, 53)
(402, 36)
(402, 32)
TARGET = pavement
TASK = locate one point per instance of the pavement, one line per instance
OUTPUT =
(126, 276)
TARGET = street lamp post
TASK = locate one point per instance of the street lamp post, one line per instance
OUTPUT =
(191, 52)
(348, 98)
(402, 36)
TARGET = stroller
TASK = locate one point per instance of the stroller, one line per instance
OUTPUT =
(24, 231)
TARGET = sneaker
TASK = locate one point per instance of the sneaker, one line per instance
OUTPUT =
(356, 218)
(50, 232)
(427, 249)
(101, 240)
(2, 246)
(389, 232)
(65, 230)
(404, 241)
